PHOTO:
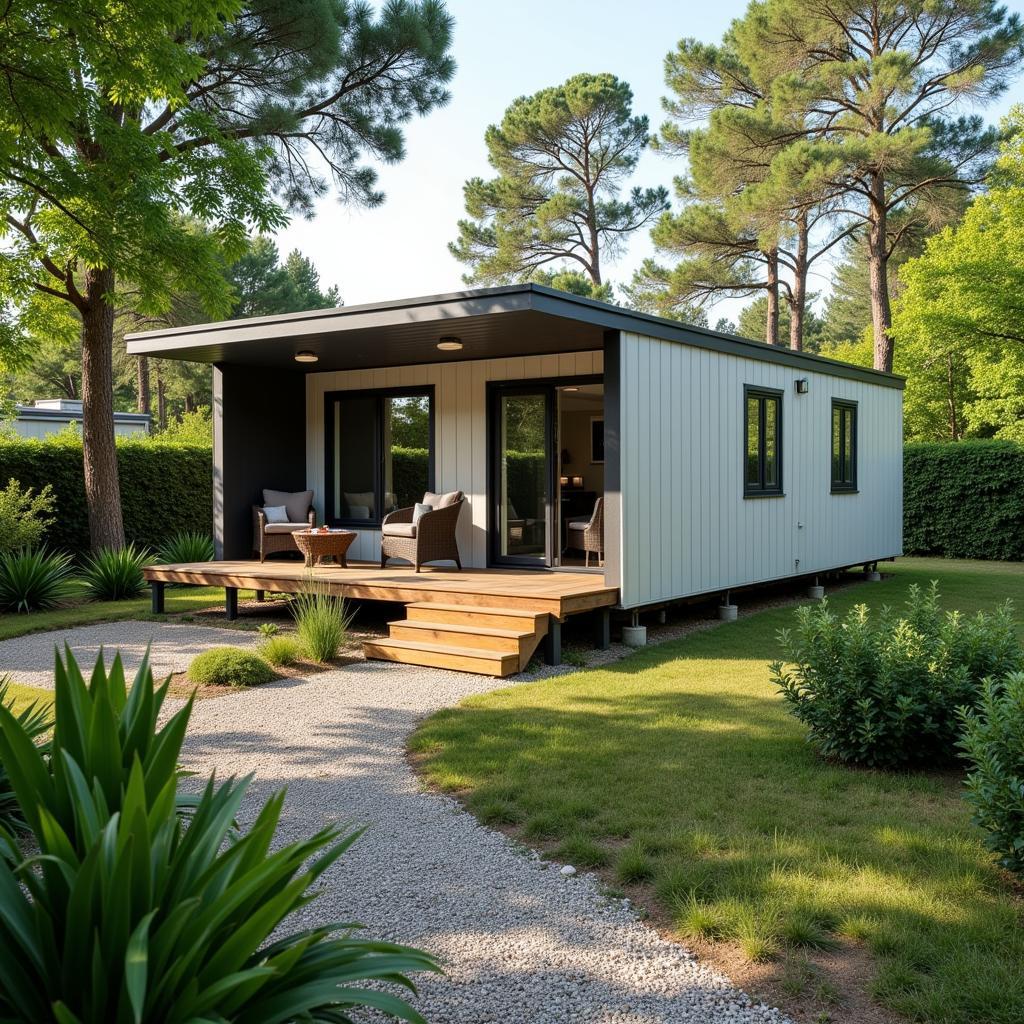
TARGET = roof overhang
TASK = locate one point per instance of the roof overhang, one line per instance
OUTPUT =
(491, 323)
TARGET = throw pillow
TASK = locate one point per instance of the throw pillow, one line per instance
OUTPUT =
(276, 513)
(419, 510)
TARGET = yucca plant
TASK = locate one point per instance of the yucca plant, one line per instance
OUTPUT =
(34, 580)
(35, 720)
(186, 546)
(113, 574)
(321, 621)
(135, 911)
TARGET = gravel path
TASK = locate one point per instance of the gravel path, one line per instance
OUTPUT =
(520, 942)
(29, 659)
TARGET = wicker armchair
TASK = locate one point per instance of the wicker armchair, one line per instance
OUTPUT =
(268, 538)
(587, 535)
(431, 539)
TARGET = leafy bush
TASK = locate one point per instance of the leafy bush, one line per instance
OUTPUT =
(186, 546)
(34, 720)
(993, 743)
(268, 629)
(24, 515)
(135, 912)
(114, 574)
(964, 499)
(321, 622)
(166, 486)
(229, 666)
(884, 692)
(283, 649)
(33, 580)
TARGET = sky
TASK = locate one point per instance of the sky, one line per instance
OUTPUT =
(504, 50)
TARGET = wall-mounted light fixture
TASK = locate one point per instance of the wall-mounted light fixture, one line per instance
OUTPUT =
(306, 357)
(450, 344)
(803, 385)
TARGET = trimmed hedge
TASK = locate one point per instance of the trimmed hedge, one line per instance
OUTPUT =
(166, 487)
(964, 499)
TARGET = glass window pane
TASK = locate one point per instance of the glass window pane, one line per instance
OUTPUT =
(771, 452)
(848, 419)
(524, 478)
(753, 469)
(355, 457)
(406, 437)
(837, 430)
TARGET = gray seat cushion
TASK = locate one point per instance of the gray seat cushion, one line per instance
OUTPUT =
(578, 524)
(399, 529)
(285, 527)
(297, 503)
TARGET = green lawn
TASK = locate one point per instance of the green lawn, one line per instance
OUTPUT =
(679, 772)
(178, 600)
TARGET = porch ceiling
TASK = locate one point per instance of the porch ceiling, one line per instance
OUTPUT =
(491, 324)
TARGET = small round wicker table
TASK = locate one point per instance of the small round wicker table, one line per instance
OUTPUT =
(318, 545)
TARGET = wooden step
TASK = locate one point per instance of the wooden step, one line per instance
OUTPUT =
(485, 616)
(459, 659)
(506, 641)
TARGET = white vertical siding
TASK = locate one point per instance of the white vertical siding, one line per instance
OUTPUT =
(686, 527)
(460, 424)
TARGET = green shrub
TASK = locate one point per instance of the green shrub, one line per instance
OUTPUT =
(34, 720)
(229, 666)
(134, 911)
(166, 487)
(964, 499)
(281, 649)
(883, 692)
(268, 629)
(321, 622)
(114, 574)
(993, 744)
(186, 546)
(33, 580)
(24, 515)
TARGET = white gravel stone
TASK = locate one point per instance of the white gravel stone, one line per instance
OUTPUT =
(29, 659)
(518, 945)
(568, 870)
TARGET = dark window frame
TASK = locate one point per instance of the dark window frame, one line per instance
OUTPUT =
(847, 408)
(761, 490)
(380, 394)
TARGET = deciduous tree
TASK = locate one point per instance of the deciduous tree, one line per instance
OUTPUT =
(121, 127)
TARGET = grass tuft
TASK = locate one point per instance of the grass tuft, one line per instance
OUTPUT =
(634, 864)
(582, 852)
(280, 649)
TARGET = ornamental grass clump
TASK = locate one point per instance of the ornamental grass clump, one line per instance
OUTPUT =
(321, 622)
(883, 691)
(115, 574)
(35, 721)
(280, 649)
(186, 546)
(137, 902)
(229, 666)
(32, 581)
(993, 745)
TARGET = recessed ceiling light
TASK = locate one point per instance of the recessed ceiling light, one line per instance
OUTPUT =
(306, 357)
(450, 344)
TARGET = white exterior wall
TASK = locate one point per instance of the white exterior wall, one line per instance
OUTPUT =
(460, 425)
(686, 527)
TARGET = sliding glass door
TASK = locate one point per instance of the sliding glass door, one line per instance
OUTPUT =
(522, 469)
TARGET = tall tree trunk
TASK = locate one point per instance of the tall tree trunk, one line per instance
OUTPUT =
(190, 402)
(878, 263)
(161, 401)
(99, 452)
(142, 376)
(771, 328)
(798, 294)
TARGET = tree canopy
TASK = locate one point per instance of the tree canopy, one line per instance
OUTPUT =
(123, 128)
(562, 158)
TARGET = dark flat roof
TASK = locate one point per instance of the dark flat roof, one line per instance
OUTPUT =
(516, 320)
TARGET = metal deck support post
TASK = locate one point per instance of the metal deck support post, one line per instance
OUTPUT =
(553, 642)
(231, 603)
(604, 629)
(156, 589)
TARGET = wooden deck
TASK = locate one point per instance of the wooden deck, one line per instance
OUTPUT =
(559, 594)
